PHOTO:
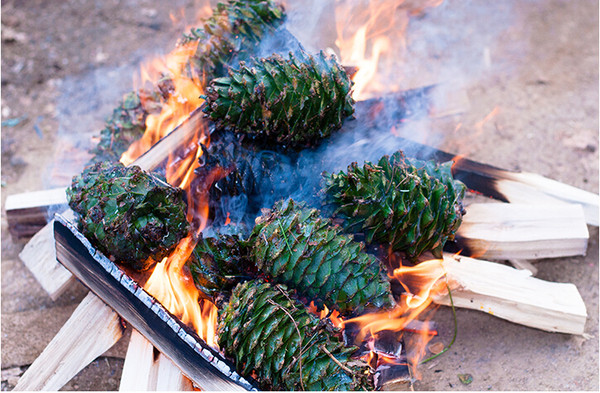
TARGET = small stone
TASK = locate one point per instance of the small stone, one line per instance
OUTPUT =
(11, 372)
(465, 379)
(436, 348)
(149, 12)
(12, 35)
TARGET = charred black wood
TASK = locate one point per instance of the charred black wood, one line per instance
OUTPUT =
(202, 364)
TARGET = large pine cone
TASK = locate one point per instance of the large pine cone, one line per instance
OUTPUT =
(414, 206)
(128, 214)
(296, 247)
(294, 102)
(266, 331)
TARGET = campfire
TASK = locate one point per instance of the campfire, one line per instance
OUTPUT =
(196, 140)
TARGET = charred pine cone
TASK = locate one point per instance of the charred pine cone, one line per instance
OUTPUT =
(268, 333)
(128, 121)
(294, 102)
(412, 205)
(129, 214)
(218, 263)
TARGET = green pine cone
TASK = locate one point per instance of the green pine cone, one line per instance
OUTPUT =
(218, 263)
(233, 30)
(296, 247)
(414, 206)
(129, 214)
(128, 121)
(266, 331)
(295, 102)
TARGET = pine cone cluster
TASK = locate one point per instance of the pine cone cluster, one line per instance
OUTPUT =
(412, 205)
(233, 30)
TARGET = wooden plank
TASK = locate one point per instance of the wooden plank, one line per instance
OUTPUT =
(523, 231)
(508, 186)
(523, 264)
(39, 255)
(512, 294)
(524, 187)
(90, 331)
(169, 377)
(139, 371)
(26, 213)
(145, 369)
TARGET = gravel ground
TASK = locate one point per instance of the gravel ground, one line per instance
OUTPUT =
(532, 66)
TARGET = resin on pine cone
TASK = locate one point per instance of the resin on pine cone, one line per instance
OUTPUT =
(129, 214)
(412, 205)
(269, 334)
(295, 246)
(294, 102)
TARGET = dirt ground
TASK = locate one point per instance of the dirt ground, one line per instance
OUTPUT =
(532, 66)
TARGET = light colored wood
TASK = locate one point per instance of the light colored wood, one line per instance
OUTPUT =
(39, 255)
(523, 264)
(523, 231)
(27, 200)
(143, 371)
(90, 331)
(139, 368)
(169, 378)
(28, 212)
(525, 187)
(513, 295)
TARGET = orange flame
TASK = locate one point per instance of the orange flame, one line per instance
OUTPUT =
(171, 282)
(174, 287)
(373, 39)
(421, 283)
(184, 98)
(334, 316)
(480, 124)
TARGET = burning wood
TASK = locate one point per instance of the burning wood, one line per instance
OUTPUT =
(198, 361)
